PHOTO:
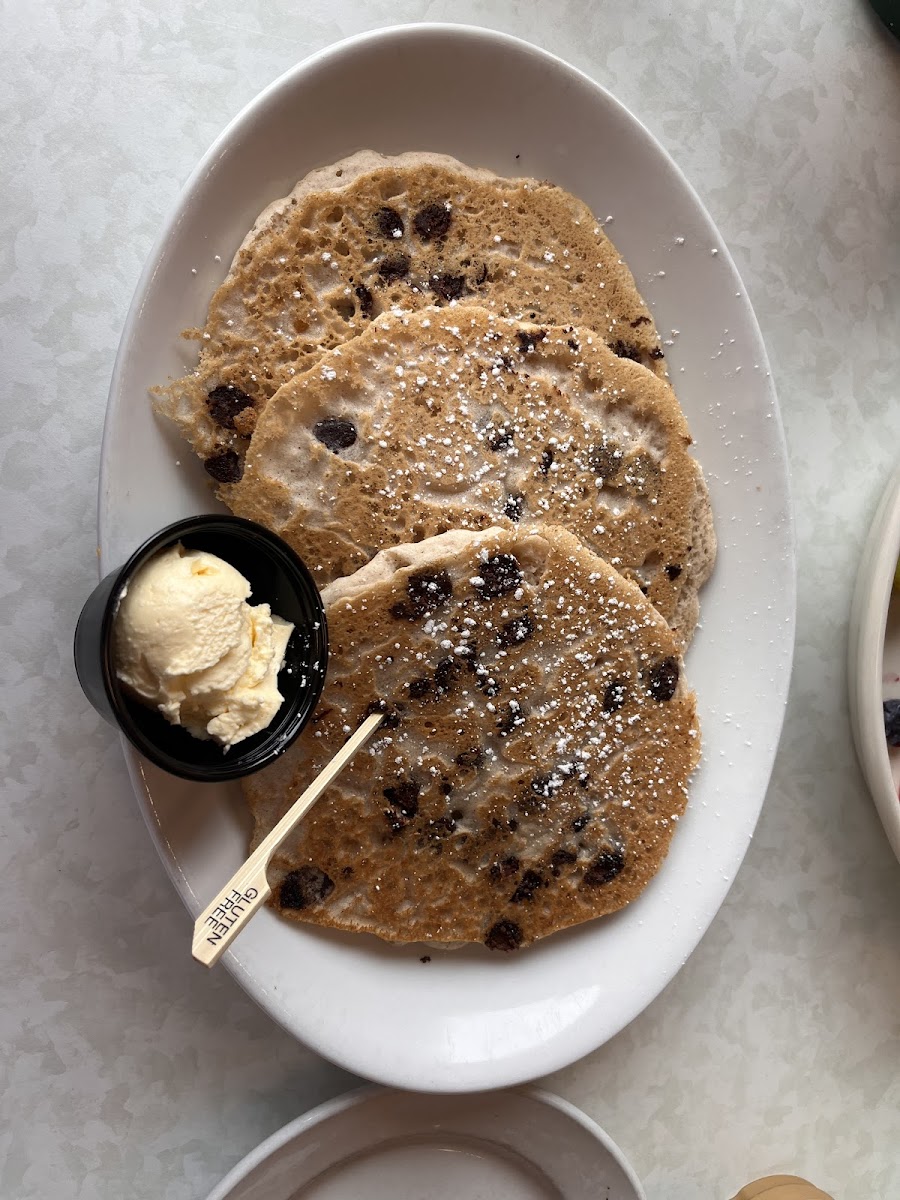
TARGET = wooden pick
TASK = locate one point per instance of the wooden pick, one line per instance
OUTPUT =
(248, 889)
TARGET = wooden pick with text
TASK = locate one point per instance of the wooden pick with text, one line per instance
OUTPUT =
(224, 918)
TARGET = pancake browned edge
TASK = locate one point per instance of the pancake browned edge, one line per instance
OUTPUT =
(459, 419)
(373, 232)
(535, 756)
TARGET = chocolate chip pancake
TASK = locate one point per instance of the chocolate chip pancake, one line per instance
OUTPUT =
(446, 419)
(534, 757)
(370, 233)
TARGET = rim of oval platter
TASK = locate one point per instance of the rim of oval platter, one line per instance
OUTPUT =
(474, 1020)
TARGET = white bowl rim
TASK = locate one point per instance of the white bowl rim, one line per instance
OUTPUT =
(868, 616)
(370, 1093)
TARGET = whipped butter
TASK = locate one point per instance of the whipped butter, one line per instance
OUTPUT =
(187, 643)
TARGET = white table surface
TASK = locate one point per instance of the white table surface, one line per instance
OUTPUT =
(126, 1073)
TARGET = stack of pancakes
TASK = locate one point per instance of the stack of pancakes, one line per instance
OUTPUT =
(443, 389)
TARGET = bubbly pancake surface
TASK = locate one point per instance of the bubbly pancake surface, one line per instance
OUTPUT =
(373, 232)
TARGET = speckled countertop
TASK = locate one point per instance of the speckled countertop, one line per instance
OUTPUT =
(778, 1044)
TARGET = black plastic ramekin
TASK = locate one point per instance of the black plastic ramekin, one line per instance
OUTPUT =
(278, 578)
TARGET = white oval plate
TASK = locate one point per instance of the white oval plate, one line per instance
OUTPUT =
(874, 654)
(521, 1145)
(474, 1020)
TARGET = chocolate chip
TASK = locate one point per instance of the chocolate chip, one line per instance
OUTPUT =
(470, 760)
(422, 688)
(501, 439)
(389, 221)
(448, 287)
(517, 631)
(605, 867)
(391, 713)
(503, 868)
(673, 570)
(615, 696)
(662, 679)
(581, 822)
(529, 338)
(484, 679)
(657, 352)
(510, 718)
(427, 590)
(605, 460)
(499, 574)
(625, 350)
(562, 858)
(547, 456)
(471, 657)
(225, 467)
(426, 958)
(504, 935)
(432, 221)
(640, 321)
(573, 344)
(514, 506)
(365, 300)
(404, 796)
(528, 885)
(394, 266)
(225, 402)
(337, 433)
(488, 685)
(447, 672)
(440, 827)
(305, 886)
(546, 785)
(466, 653)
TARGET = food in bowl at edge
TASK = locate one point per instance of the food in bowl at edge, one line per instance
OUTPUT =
(892, 721)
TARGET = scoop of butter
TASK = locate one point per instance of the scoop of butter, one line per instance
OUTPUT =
(187, 642)
(781, 1187)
